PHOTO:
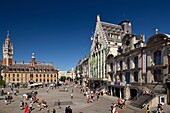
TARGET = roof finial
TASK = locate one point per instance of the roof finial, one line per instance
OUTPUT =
(98, 18)
(156, 31)
(33, 55)
(7, 32)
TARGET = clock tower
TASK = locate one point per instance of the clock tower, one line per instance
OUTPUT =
(7, 51)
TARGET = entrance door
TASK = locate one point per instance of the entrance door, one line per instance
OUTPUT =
(133, 93)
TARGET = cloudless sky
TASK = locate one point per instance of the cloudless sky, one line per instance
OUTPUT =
(59, 31)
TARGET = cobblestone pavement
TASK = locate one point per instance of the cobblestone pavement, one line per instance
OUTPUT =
(78, 103)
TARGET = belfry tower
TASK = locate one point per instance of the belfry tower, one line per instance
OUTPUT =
(7, 51)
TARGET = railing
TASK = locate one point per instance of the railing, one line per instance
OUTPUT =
(137, 96)
(155, 85)
(148, 100)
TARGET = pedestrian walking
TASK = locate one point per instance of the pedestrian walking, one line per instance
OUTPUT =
(97, 97)
(26, 108)
(6, 100)
(59, 103)
(2, 92)
(31, 106)
(147, 109)
(54, 111)
(21, 105)
(69, 109)
(71, 95)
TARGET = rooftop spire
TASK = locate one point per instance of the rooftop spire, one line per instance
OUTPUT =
(98, 18)
(32, 55)
(7, 32)
(156, 31)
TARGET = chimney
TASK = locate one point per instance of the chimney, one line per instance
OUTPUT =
(22, 62)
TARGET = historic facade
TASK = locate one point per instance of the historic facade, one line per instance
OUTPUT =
(82, 71)
(7, 51)
(127, 65)
(25, 72)
(106, 40)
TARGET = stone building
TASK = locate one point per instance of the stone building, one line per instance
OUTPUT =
(127, 65)
(106, 40)
(82, 71)
(140, 67)
(25, 72)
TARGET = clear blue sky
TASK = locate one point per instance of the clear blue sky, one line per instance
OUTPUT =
(59, 31)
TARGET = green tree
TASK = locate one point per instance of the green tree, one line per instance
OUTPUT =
(2, 82)
(63, 78)
(68, 78)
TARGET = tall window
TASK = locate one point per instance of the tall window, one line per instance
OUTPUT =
(127, 77)
(128, 64)
(136, 61)
(121, 67)
(157, 58)
(31, 75)
(157, 75)
(136, 76)
(120, 77)
(111, 66)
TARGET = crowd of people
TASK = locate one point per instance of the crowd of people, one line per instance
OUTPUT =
(91, 95)
(26, 104)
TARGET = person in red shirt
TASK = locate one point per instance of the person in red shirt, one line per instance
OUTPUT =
(119, 103)
(26, 108)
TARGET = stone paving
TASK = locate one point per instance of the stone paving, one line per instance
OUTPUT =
(78, 103)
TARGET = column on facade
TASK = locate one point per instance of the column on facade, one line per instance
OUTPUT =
(101, 58)
(165, 62)
(140, 59)
(120, 93)
(104, 64)
(94, 65)
(98, 63)
(89, 67)
(131, 67)
(148, 54)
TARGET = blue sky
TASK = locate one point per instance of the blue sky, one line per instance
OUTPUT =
(59, 31)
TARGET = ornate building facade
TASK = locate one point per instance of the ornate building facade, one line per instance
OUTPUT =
(106, 40)
(127, 65)
(26, 72)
